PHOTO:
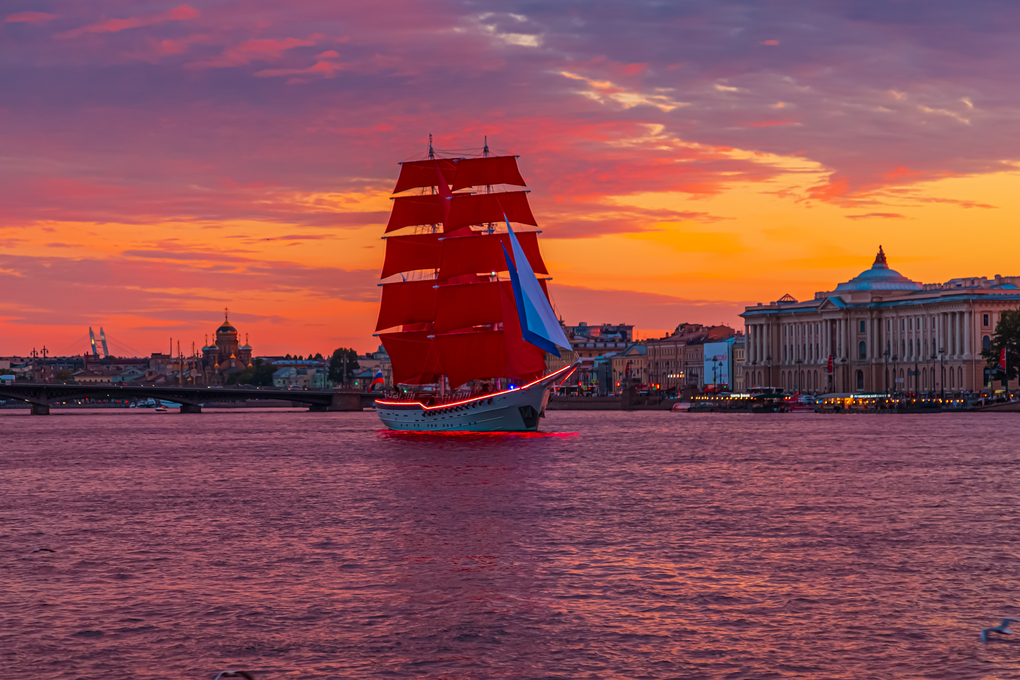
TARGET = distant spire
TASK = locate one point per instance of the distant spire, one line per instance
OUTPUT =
(226, 312)
(880, 259)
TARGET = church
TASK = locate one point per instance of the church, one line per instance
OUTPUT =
(225, 356)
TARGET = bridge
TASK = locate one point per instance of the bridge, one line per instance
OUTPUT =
(43, 395)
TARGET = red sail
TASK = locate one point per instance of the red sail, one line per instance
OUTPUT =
(408, 253)
(407, 302)
(523, 360)
(465, 210)
(472, 355)
(483, 253)
(414, 357)
(471, 209)
(476, 172)
(416, 174)
(463, 306)
(410, 211)
(466, 172)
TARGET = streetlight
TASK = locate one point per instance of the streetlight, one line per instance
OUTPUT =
(885, 354)
(942, 361)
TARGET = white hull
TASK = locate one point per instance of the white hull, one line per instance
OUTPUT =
(516, 410)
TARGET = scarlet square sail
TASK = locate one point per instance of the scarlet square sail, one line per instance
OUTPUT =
(452, 312)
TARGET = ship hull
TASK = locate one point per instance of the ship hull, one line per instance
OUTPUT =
(517, 410)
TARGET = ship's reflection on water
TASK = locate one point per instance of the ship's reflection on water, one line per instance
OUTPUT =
(651, 545)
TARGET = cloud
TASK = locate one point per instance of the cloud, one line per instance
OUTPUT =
(644, 310)
(876, 215)
(30, 18)
(263, 49)
(181, 13)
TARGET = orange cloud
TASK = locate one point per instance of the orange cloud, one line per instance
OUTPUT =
(182, 13)
(30, 18)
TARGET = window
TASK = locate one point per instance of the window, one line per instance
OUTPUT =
(862, 350)
(903, 348)
(984, 320)
(903, 324)
(888, 326)
(919, 348)
(860, 380)
(986, 342)
(933, 323)
(862, 325)
(934, 348)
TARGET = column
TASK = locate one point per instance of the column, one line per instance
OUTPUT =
(968, 325)
(957, 335)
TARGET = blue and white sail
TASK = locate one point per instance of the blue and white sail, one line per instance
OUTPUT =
(539, 324)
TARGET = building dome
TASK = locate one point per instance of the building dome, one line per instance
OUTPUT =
(225, 327)
(879, 277)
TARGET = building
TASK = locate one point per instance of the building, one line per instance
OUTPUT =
(879, 332)
(301, 377)
(225, 355)
(738, 362)
(630, 367)
(717, 365)
(606, 332)
(676, 362)
(588, 342)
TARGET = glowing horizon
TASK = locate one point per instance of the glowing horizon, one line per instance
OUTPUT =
(164, 161)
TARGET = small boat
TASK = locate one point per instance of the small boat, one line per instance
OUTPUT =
(468, 323)
(160, 408)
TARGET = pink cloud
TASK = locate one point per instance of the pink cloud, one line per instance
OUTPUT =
(264, 49)
(30, 18)
(182, 13)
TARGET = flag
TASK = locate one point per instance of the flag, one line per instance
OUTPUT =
(830, 364)
(1002, 359)
(377, 380)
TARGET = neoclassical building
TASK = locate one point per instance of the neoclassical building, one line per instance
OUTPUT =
(878, 332)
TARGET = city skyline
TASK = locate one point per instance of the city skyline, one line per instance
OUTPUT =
(165, 160)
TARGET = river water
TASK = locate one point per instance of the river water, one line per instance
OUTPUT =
(612, 545)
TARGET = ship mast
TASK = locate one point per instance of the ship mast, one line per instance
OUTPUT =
(435, 228)
(448, 318)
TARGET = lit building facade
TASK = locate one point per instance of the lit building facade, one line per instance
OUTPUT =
(676, 362)
(878, 332)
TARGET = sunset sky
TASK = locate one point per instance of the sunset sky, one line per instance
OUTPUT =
(161, 161)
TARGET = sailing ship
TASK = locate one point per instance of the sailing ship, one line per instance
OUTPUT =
(467, 322)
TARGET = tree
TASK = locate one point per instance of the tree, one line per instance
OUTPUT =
(1007, 334)
(260, 374)
(336, 365)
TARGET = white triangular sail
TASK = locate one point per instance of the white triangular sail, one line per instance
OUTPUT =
(539, 324)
